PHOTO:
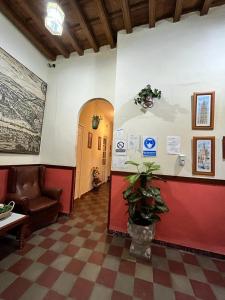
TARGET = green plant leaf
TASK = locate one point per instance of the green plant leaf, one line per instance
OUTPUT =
(133, 178)
(146, 192)
(151, 166)
(127, 192)
(133, 198)
(131, 210)
(161, 208)
(130, 162)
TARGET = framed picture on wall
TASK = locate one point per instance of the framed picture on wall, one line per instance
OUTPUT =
(203, 111)
(99, 143)
(223, 147)
(90, 135)
(203, 156)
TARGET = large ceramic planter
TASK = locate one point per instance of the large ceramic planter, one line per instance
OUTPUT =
(141, 240)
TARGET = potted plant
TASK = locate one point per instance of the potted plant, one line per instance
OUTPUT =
(146, 96)
(144, 206)
(96, 182)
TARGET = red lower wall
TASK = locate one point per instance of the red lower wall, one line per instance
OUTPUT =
(3, 183)
(59, 177)
(196, 218)
(56, 177)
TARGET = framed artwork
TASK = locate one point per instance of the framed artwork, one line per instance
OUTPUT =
(99, 143)
(223, 147)
(22, 104)
(203, 156)
(90, 135)
(203, 111)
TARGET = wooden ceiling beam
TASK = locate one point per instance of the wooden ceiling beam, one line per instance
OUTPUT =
(24, 29)
(40, 24)
(68, 32)
(152, 13)
(205, 7)
(76, 10)
(105, 22)
(126, 15)
(178, 10)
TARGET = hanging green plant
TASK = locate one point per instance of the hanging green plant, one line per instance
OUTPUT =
(146, 96)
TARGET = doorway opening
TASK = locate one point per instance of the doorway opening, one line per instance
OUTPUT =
(94, 146)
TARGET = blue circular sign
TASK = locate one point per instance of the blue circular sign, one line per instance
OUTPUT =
(149, 143)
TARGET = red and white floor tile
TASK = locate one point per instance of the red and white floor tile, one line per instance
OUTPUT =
(76, 259)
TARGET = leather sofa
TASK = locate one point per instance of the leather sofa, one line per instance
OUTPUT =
(26, 188)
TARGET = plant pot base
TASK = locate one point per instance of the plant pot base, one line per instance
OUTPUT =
(141, 240)
(140, 250)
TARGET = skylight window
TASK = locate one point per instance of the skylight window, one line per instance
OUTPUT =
(54, 19)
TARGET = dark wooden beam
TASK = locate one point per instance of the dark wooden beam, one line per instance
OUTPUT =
(205, 7)
(77, 12)
(105, 22)
(126, 15)
(4, 8)
(178, 10)
(40, 25)
(71, 37)
(152, 6)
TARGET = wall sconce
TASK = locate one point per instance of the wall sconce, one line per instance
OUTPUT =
(95, 121)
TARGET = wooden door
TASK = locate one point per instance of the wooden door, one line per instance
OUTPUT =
(79, 162)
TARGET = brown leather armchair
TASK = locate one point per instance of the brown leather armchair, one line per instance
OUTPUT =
(26, 189)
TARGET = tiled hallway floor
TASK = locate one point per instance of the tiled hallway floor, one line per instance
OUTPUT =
(75, 259)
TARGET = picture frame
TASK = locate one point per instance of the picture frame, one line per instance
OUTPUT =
(223, 147)
(90, 136)
(203, 162)
(99, 143)
(23, 98)
(203, 111)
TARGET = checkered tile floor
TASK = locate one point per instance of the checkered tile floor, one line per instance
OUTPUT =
(76, 259)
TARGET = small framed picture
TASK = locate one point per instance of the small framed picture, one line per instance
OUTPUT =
(203, 111)
(203, 156)
(99, 143)
(90, 135)
(223, 147)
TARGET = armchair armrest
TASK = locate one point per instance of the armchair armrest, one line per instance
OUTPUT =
(22, 202)
(52, 193)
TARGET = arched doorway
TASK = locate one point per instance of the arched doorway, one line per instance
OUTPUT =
(94, 146)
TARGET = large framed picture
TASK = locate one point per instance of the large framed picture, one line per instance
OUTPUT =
(203, 111)
(204, 156)
(22, 104)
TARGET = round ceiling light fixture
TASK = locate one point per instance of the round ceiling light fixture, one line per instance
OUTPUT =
(54, 19)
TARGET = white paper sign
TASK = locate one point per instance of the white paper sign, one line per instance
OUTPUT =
(119, 134)
(133, 142)
(121, 147)
(149, 146)
(173, 145)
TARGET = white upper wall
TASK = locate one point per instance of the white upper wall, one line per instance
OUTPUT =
(179, 59)
(12, 41)
(72, 83)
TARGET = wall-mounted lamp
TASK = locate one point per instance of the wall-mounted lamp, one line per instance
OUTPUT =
(95, 121)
